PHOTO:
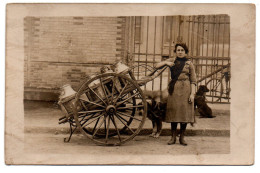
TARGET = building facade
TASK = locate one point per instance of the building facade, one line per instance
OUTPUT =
(64, 50)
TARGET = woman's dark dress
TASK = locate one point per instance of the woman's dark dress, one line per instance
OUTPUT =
(178, 107)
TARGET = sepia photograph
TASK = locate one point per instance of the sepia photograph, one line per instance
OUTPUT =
(149, 84)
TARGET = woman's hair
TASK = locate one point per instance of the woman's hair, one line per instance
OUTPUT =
(183, 45)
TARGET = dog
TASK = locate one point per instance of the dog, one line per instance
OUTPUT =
(156, 109)
(200, 102)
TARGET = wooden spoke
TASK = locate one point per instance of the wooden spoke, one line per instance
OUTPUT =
(105, 123)
(88, 114)
(93, 120)
(128, 116)
(117, 131)
(103, 88)
(128, 102)
(126, 94)
(92, 103)
(118, 117)
(99, 127)
(119, 103)
(128, 111)
(107, 132)
(123, 119)
(95, 125)
(83, 115)
(92, 111)
(82, 103)
(86, 120)
(113, 89)
(97, 95)
(130, 107)
(121, 92)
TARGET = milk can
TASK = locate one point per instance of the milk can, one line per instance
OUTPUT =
(66, 102)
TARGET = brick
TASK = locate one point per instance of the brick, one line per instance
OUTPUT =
(63, 43)
(78, 18)
(78, 23)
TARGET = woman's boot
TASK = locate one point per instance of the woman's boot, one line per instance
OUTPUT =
(182, 131)
(174, 134)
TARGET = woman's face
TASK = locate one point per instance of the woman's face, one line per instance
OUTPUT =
(180, 52)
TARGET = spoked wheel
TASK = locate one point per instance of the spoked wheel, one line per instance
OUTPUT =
(105, 108)
(215, 87)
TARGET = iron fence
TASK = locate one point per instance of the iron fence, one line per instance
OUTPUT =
(151, 39)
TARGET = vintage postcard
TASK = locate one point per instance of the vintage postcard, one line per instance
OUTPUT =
(130, 84)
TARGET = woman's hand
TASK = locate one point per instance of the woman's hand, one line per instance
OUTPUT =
(191, 98)
(192, 95)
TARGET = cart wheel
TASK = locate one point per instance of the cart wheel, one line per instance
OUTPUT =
(105, 109)
(215, 90)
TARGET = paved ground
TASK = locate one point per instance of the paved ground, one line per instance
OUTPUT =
(43, 140)
(46, 143)
(42, 117)
(50, 149)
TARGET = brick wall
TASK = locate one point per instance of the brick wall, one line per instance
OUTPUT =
(61, 50)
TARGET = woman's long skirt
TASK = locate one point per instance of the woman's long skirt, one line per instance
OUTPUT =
(178, 107)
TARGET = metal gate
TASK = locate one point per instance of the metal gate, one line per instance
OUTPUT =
(151, 39)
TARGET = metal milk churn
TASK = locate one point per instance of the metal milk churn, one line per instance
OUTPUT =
(66, 103)
(121, 68)
(66, 91)
(67, 95)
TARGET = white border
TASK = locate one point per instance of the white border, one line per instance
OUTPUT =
(5, 168)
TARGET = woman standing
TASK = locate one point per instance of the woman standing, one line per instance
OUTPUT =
(181, 88)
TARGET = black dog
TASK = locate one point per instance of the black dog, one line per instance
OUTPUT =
(156, 109)
(200, 101)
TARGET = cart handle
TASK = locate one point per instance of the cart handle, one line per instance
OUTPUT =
(159, 72)
(151, 76)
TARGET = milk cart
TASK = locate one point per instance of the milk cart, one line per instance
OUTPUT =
(104, 108)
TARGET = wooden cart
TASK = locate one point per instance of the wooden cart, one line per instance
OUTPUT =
(104, 108)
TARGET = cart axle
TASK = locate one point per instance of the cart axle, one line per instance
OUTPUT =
(111, 109)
